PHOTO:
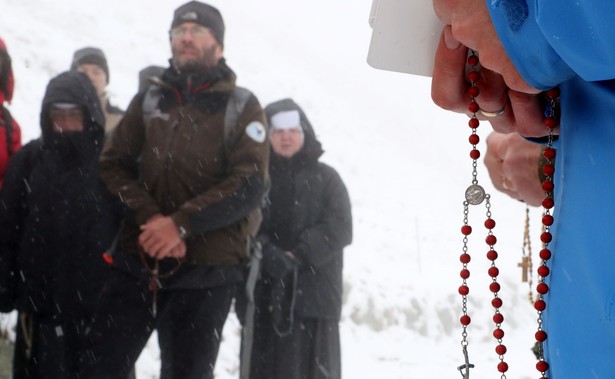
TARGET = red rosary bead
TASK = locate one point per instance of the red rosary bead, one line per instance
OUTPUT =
(464, 290)
(466, 230)
(475, 154)
(545, 254)
(547, 220)
(498, 334)
(473, 123)
(473, 76)
(548, 169)
(473, 61)
(465, 320)
(543, 271)
(494, 287)
(473, 107)
(549, 153)
(465, 273)
(550, 122)
(491, 240)
(542, 366)
(547, 186)
(492, 255)
(465, 258)
(489, 223)
(473, 91)
(542, 288)
(474, 139)
(540, 305)
(496, 302)
(548, 203)
(498, 318)
(502, 367)
(500, 350)
(493, 271)
(541, 336)
(546, 237)
(553, 93)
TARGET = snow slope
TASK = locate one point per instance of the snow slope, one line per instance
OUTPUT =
(404, 161)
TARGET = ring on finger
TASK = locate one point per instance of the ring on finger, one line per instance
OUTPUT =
(493, 114)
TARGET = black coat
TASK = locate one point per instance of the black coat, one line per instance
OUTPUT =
(59, 216)
(309, 214)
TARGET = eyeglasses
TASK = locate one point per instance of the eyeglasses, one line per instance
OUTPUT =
(66, 114)
(195, 32)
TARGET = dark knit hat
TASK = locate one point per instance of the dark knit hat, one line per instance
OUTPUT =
(90, 55)
(202, 14)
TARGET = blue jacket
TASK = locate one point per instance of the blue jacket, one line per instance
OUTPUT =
(569, 44)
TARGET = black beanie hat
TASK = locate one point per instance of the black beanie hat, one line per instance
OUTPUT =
(202, 14)
(90, 55)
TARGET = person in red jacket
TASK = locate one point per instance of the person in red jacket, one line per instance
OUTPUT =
(10, 133)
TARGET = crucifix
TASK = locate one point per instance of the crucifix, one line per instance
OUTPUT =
(526, 266)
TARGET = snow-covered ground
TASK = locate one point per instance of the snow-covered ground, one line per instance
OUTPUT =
(404, 161)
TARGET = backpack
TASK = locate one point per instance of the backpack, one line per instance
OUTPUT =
(8, 128)
(234, 108)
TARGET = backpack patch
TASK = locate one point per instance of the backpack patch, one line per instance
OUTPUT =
(256, 131)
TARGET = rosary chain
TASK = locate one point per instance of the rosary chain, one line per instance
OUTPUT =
(475, 195)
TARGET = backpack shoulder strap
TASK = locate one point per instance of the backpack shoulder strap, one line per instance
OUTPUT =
(8, 128)
(150, 100)
(234, 108)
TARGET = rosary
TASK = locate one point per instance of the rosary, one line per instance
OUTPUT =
(476, 195)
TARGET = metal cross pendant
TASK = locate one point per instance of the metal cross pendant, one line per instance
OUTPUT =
(464, 369)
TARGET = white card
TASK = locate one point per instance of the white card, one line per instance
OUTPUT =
(404, 37)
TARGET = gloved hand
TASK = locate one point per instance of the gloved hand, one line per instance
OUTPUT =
(276, 263)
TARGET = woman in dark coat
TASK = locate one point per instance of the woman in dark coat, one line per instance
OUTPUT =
(306, 225)
(59, 219)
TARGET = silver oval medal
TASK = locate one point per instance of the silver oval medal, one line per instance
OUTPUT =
(475, 194)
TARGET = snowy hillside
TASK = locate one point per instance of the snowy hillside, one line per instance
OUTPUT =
(405, 163)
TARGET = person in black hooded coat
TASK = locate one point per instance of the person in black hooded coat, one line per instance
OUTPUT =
(306, 225)
(58, 220)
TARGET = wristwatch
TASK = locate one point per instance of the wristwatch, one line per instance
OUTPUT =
(182, 232)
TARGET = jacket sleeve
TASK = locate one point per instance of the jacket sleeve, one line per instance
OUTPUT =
(246, 180)
(13, 207)
(551, 41)
(321, 242)
(119, 163)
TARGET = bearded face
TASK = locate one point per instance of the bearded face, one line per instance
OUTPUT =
(194, 48)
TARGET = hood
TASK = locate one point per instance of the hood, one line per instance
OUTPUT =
(312, 148)
(74, 87)
(7, 82)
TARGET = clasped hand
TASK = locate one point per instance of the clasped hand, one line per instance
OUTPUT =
(160, 238)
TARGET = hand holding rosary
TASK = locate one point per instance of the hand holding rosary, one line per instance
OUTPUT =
(475, 195)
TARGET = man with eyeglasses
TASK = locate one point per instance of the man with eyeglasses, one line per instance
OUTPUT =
(57, 218)
(190, 184)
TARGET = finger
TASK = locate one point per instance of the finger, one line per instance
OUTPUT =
(448, 85)
(493, 91)
(443, 11)
(178, 251)
(528, 114)
(153, 248)
(147, 234)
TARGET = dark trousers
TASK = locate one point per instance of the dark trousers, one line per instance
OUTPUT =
(189, 324)
(46, 347)
(310, 351)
